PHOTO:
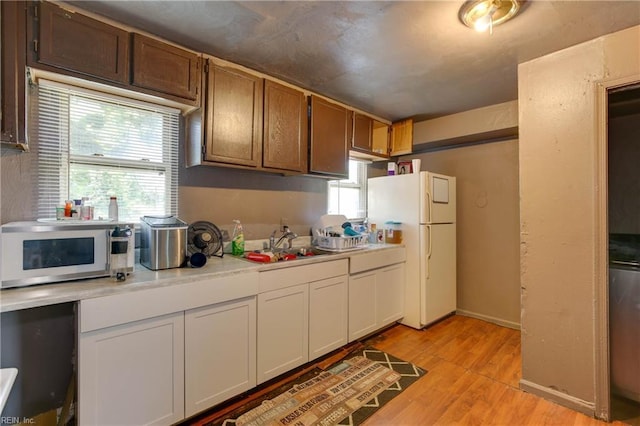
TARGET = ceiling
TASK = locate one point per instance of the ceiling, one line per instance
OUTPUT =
(392, 59)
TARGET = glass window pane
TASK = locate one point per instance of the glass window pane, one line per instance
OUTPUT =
(114, 131)
(349, 202)
(349, 196)
(139, 192)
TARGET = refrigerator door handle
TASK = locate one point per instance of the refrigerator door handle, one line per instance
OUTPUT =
(427, 199)
(429, 245)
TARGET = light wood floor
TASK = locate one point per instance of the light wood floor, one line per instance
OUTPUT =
(473, 373)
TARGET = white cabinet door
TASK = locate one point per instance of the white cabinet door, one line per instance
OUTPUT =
(220, 353)
(133, 374)
(390, 294)
(327, 315)
(283, 330)
(362, 305)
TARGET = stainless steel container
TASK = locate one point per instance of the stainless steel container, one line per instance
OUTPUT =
(163, 242)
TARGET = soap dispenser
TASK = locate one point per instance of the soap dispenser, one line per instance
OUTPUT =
(237, 242)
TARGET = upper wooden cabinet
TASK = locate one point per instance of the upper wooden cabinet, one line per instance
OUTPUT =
(12, 72)
(370, 138)
(75, 42)
(380, 139)
(329, 153)
(402, 137)
(233, 111)
(249, 123)
(164, 68)
(362, 132)
(285, 141)
(71, 43)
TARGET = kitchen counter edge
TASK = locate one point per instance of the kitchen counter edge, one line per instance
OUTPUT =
(14, 299)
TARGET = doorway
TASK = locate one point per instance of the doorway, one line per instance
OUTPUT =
(623, 213)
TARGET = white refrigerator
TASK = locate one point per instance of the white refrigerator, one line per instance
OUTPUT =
(425, 204)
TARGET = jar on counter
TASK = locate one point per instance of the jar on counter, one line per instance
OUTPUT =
(393, 232)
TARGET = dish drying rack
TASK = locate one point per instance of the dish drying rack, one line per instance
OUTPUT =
(327, 240)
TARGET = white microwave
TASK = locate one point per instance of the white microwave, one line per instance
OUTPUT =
(53, 251)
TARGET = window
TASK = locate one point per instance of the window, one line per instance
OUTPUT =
(349, 196)
(96, 145)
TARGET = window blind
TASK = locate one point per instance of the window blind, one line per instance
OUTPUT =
(96, 145)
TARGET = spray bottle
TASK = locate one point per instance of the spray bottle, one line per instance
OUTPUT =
(237, 242)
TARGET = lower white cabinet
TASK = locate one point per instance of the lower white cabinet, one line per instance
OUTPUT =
(220, 353)
(157, 356)
(302, 314)
(132, 374)
(376, 299)
(154, 356)
(283, 330)
(390, 294)
(362, 305)
(327, 315)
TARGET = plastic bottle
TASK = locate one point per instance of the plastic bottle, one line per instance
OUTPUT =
(68, 206)
(237, 242)
(85, 210)
(113, 208)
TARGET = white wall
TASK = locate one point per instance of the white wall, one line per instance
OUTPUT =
(488, 262)
(558, 212)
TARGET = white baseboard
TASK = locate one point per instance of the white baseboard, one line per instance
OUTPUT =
(498, 321)
(577, 404)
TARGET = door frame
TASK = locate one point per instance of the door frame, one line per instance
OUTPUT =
(601, 267)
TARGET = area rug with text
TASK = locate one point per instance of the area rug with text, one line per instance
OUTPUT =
(346, 393)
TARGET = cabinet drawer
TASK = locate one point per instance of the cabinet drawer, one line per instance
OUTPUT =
(122, 308)
(377, 259)
(287, 277)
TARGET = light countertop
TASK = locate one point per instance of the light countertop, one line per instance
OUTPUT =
(13, 299)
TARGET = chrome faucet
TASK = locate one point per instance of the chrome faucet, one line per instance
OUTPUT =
(287, 235)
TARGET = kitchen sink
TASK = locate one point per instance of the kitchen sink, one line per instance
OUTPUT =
(296, 253)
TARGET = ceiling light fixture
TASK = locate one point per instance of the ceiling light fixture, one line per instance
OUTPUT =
(483, 15)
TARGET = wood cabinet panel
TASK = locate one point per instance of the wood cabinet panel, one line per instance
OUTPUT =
(78, 43)
(285, 128)
(233, 117)
(362, 132)
(402, 137)
(329, 153)
(380, 138)
(164, 68)
(12, 87)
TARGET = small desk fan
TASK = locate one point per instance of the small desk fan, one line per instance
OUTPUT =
(204, 237)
